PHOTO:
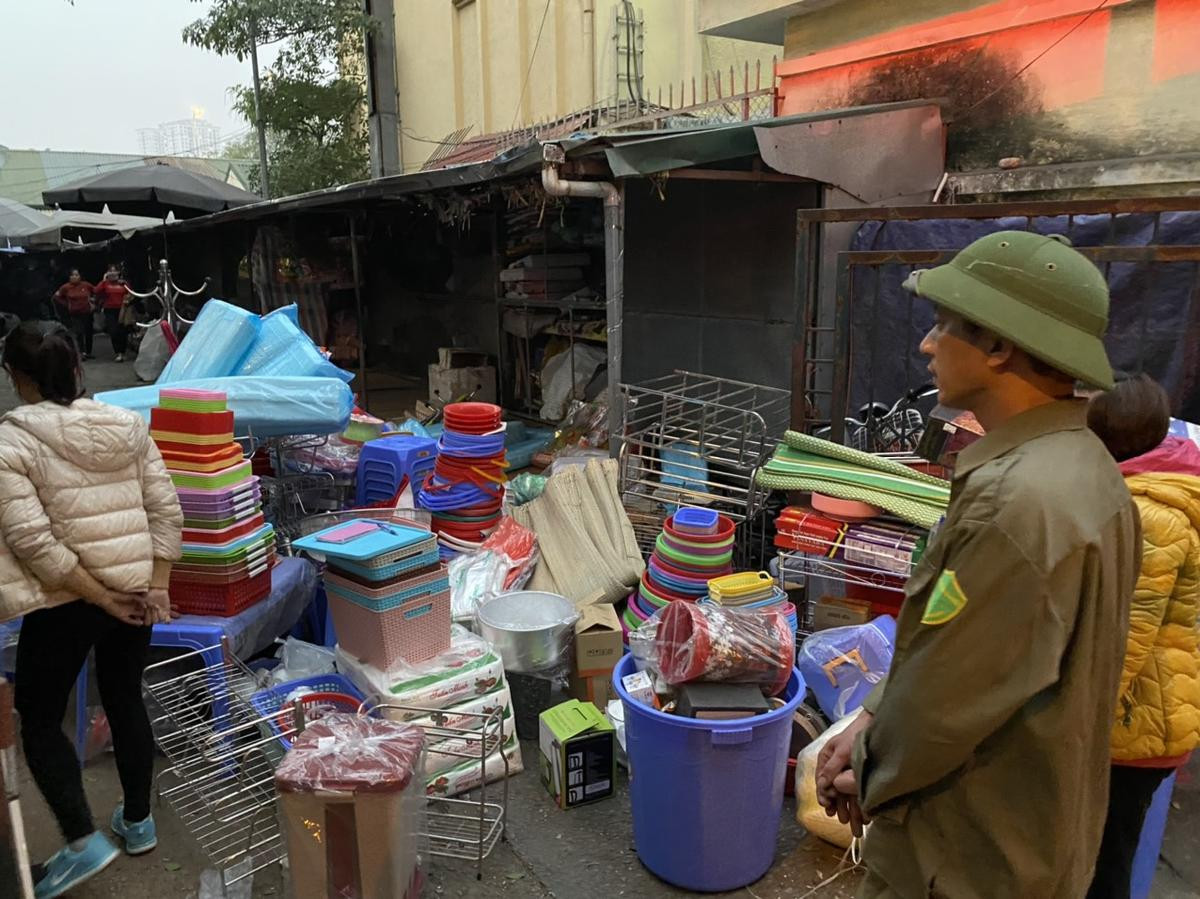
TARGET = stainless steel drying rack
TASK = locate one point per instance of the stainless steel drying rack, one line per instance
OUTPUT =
(222, 753)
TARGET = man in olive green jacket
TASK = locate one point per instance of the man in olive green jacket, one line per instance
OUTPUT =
(983, 759)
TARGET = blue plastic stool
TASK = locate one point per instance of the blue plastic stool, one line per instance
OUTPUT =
(384, 463)
(1145, 860)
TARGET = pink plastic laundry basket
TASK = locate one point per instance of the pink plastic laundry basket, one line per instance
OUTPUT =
(413, 632)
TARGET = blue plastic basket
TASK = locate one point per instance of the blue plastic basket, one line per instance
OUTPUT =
(269, 703)
(386, 572)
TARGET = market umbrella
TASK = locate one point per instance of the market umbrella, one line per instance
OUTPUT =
(17, 218)
(72, 224)
(150, 190)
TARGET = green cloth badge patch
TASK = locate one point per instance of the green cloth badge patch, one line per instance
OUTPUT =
(946, 600)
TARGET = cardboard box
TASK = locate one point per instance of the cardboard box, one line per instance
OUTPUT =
(578, 751)
(833, 611)
(459, 373)
(598, 648)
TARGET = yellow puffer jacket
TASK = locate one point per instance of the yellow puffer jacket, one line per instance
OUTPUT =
(1158, 707)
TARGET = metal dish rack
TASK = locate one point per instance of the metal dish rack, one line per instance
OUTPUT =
(690, 439)
(222, 753)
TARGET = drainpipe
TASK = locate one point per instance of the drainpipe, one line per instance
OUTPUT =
(589, 38)
(614, 269)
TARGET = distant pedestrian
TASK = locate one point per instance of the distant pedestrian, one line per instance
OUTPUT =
(1158, 704)
(112, 295)
(74, 303)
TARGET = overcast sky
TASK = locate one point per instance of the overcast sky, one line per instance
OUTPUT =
(86, 77)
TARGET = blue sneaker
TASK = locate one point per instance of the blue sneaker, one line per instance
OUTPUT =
(139, 838)
(67, 869)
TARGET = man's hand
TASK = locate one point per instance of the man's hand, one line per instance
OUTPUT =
(128, 609)
(847, 807)
(834, 760)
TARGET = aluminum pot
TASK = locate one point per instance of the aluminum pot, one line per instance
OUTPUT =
(532, 631)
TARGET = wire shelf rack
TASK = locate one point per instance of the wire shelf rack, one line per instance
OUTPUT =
(219, 778)
(222, 753)
(690, 439)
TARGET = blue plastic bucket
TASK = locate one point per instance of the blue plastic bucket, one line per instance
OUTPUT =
(706, 795)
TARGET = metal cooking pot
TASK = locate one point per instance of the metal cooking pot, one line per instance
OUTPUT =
(532, 631)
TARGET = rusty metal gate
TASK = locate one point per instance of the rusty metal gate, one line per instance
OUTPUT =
(834, 368)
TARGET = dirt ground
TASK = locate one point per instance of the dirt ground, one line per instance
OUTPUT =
(586, 853)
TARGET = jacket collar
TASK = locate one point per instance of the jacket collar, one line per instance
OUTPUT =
(1061, 415)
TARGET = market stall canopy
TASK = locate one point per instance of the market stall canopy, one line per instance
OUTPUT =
(75, 226)
(17, 218)
(150, 190)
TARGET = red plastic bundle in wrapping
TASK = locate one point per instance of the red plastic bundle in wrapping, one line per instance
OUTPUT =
(519, 544)
(704, 642)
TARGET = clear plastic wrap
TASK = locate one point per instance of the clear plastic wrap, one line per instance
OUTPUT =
(215, 344)
(264, 407)
(810, 814)
(703, 642)
(475, 577)
(520, 546)
(843, 664)
(352, 805)
(281, 349)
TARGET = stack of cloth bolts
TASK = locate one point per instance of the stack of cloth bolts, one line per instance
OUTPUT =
(751, 590)
(228, 548)
(695, 546)
(389, 595)
(465, 490)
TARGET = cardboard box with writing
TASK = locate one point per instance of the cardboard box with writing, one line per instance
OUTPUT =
(598, 648)
(577, 753)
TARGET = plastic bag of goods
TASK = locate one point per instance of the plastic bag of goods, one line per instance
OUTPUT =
(843, 664)
(475, 577)
(153, 354)
(282, 349)
(810, 814)
(520, 546)
(708, 642)
(215, 345)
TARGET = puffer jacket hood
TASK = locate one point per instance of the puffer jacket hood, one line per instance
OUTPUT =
(91, 435)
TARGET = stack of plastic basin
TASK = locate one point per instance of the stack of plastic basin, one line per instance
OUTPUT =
(751, 590)
(389, 594)
(465, 491)
(384, 464)
(228, 548)
(695, 546)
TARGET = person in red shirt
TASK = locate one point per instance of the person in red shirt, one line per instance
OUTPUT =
(74, 302)
(112, 295)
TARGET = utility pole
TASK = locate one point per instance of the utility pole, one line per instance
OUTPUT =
(258, 119)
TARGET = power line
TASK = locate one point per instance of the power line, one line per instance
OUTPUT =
(532, 57)
(1025, 68)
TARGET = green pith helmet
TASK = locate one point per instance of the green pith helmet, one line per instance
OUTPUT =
(1034, 290)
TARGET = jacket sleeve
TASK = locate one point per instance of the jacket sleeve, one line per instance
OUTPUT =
(162, 505)
(991, 637)
(25, 526)
(1165, 543)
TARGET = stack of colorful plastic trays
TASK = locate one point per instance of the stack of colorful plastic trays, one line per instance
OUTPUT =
(389, 594)
(228, 548)
(465, 490)
(695, 546)
(751, 590)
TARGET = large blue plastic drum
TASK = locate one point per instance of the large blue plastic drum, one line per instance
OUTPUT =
(707, 796)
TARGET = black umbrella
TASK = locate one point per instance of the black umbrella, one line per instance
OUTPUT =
(150, 190)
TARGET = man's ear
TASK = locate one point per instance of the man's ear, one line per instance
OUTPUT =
(1000, 353)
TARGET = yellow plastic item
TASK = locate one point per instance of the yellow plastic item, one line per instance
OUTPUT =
(740, 585)
(192, 439)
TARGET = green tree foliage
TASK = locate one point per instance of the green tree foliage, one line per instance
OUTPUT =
(311, 100)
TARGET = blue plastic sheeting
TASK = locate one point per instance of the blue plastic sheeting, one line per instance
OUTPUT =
(282, 349)
(215, 344)
(263, 407)
(1153, 320)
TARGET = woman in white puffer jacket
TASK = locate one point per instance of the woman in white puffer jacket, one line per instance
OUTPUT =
(90, 524)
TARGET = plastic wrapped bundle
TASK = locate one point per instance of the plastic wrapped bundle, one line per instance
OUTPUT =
(843, 664)
(281, 349)
(695, 642)
(264, 407)
(215, 345)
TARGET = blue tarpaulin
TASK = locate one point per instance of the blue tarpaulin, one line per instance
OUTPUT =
(1154, 318)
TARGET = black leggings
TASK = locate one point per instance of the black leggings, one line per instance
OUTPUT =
(117, 332)
(54, 645)
(1130, 792)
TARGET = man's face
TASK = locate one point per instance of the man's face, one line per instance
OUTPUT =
(958, 365)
